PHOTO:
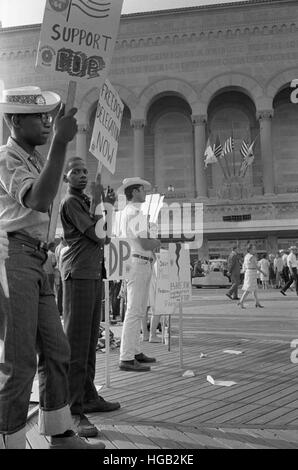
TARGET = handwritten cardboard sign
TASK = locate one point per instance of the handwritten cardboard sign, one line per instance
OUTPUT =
(78, 37)
(173, 282)
(106, 130)
(179, 273)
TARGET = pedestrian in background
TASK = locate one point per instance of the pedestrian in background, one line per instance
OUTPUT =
(234, 268)
(250, 266)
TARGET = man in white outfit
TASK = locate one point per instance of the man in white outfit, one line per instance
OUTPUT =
(134, 227)
(292, 265)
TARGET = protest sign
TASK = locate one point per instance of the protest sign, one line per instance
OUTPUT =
(163, 304)
(78, 38)
(179, 273)
(117, 259)
(106, 131)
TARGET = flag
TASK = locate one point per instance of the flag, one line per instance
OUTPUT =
(217, 148)
(248, 156)
(93, 9)
(209, 154)
(246, 150)
(228, 146)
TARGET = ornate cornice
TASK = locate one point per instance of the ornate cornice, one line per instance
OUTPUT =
(138, 123)
(265, 114)
(83, 129)
(199, 119)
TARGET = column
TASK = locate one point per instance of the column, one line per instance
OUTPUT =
(199, 123)
(138, 126)
(1, 130)
(265, 118)
(81, 141)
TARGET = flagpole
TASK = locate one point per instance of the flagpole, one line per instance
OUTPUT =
(233, 150)
(228, 169)
(222, 168)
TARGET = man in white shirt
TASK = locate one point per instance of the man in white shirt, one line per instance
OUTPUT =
(292, 265)
(285, 270)
(278, 268)
(134, 227)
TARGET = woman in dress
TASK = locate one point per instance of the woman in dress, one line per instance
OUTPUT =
(251, 268)
(264, 266)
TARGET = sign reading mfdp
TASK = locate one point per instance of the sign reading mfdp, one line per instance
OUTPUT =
(117, 259)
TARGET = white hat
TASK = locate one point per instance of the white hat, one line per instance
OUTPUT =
(131, 182)
(28, 100)
(293, 247)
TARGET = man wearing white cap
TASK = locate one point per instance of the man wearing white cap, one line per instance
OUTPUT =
(28, 185)
(134, 227)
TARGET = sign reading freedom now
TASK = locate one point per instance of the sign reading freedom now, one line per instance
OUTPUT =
(78, 37)
(107, 124)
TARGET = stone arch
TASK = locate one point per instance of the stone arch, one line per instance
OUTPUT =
(276, 83)
(247, 84)
(180, 87)
(91, 97)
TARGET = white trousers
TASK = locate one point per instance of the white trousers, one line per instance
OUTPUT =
(137, 301)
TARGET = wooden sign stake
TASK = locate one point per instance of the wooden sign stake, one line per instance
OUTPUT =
(71, 95)
(107, 330)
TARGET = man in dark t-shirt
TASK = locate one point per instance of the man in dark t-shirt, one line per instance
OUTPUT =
(82, 285)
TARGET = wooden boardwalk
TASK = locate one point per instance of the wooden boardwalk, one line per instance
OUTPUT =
(164, 410)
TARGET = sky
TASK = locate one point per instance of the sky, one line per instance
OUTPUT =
(21, 12)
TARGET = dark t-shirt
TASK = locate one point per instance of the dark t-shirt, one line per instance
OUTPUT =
(83, 259)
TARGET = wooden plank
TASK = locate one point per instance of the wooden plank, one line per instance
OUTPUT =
(35, 440)
(156, 436)
(139, 439)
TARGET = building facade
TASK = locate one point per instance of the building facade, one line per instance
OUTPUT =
(187, 75)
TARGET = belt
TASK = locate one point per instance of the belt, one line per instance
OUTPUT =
(29, 241)
(143, 257)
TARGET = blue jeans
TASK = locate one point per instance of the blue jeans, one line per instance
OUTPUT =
(32, 336)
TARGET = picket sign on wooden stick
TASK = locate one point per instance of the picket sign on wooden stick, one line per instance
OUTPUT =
(71, 95)
(181, 333)
(3, 279)
(107, 330)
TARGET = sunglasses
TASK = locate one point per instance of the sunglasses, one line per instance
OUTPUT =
(45, 118)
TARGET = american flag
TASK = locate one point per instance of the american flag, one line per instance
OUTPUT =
(248, 156)
(245, 150)
(228, 146)
(217, 148)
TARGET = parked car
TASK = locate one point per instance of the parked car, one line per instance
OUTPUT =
(215, 275)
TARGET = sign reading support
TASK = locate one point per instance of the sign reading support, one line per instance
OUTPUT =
(117, 259)
(106, 131)
(78, 38)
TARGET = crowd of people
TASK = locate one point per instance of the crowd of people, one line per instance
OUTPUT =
(276, 271)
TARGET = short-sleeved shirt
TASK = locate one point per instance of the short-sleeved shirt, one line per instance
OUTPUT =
(292, 259)
(18, 172)
(83, 259)
(278, 264)
(133, 223)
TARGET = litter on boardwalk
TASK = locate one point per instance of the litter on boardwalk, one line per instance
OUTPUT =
(223, 383)
(188, 373)
(232, 351)
(203, 355)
